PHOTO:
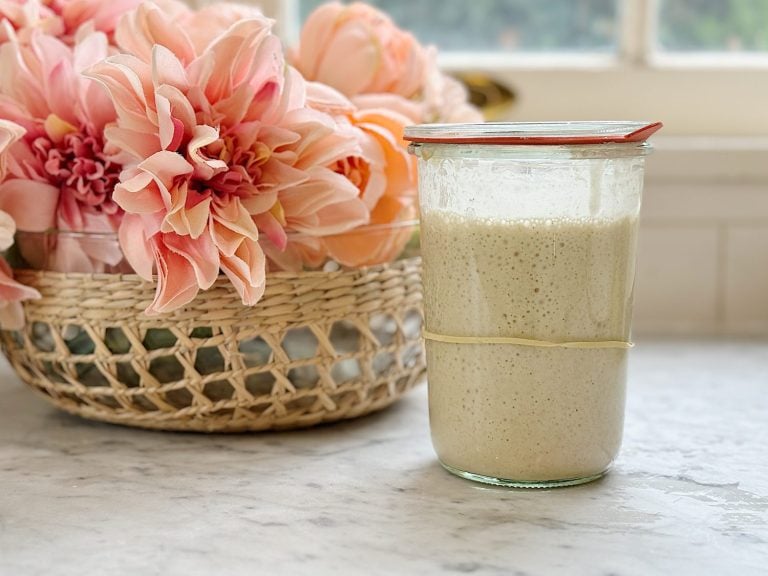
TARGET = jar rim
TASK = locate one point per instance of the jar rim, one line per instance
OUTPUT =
(534, 133)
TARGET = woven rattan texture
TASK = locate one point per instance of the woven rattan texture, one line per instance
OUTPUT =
(319, 347)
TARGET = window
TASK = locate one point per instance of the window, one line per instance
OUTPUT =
(504, 25)
(673, 60)
(731, 26)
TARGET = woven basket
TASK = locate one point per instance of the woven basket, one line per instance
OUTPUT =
(319, 347)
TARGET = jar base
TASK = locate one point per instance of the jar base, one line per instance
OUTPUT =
(508, 483)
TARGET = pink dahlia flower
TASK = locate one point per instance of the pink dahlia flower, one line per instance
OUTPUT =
(61, 173)
(11, 292)
(225, 152)
(18, 18)
(61, 18)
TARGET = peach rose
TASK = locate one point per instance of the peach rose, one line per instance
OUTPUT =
(360, 52)
(384, 174)
(357, 49)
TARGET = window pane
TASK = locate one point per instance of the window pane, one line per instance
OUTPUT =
(504, 25)
(713, 25)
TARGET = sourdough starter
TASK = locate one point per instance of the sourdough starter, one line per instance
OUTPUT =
(519, 412)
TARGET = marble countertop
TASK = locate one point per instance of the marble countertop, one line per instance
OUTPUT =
(688, 495)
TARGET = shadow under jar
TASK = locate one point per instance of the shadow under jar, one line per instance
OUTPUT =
(528, 243)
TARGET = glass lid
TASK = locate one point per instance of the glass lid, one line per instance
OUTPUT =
(533, 133)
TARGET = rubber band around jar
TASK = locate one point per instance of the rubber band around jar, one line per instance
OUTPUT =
(616, 344)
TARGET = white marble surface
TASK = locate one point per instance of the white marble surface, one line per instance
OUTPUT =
(689, 494)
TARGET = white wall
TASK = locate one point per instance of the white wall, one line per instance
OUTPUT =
(703, 261)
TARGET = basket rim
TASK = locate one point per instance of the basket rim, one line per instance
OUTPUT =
(282, 275)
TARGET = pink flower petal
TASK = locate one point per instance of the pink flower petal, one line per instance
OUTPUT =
(139, 194)
(227, 240)
(389, 104)
(272, 137)
(10, 289)
(386, 128)
(11, 316)
(209, 21)
(185, 217)
(138, 144)
(137, 248)
(237, 218)
(129, 82)
(278, 176)
(103, 15)
(90, 50)
(16, 197)
(349, 76)
(327, 99)
(95, 109)
(181, 109)
(165, 167)
(278, 96)
(258, 203)
(7, 230)
(328, 203)
(298, 254)
(171, 131)
(316, 35)
(139, 31)
(245, 53)
(375, 160)
(69, 216)
(204, 167)
(62, 84)
(17, 83)
(235, 108)
(324, 187)
(273, 229)
(201, 254)
(176, 280)
(9, 134)
(323, 141)
(167, 69)
(247, 271)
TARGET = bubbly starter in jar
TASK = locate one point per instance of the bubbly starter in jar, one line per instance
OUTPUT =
(528, 235)
(523, 412)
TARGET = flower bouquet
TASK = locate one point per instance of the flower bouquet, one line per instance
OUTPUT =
(206, 232)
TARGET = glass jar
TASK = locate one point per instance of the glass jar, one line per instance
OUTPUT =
(100, 252)
(528, 240)
(68, 251)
